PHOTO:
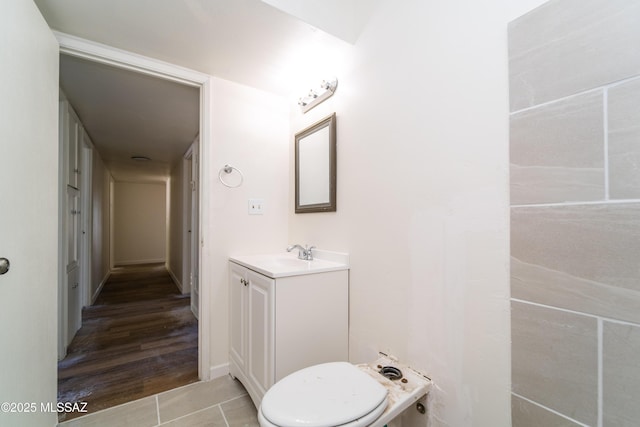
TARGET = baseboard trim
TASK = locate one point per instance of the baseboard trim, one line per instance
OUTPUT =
(97, 292)
(140, 261)
(177, 282)
(194, 310)
(218, 371)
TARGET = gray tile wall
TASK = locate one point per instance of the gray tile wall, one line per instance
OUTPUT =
(621, 388)
(557, 151)
(525, 413)
(570, 46)
(567, 382)
(624, 138)
(575, 215)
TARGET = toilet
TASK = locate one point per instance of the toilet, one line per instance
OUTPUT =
(342, 394)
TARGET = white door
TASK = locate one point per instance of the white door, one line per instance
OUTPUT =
(71, 210)
(194, 219)
(28, 211)
(74, 320)
(72, 267)
(187, 275)
(73, 137)
(86, 222)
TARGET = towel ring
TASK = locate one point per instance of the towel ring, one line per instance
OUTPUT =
(228, 169)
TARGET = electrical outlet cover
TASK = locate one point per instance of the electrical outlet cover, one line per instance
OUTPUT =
(256, 206)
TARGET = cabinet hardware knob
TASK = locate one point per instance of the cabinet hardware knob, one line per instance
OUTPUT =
(4, 265)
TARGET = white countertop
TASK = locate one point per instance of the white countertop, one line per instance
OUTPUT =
(287, 264)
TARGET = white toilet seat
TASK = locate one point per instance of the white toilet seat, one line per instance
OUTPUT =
(326, 395)
(360, 422)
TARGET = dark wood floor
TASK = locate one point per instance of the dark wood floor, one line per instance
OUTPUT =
(138, 339)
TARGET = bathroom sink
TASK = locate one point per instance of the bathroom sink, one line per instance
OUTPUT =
(287, 264)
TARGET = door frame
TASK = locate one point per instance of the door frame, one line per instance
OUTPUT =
(96, 52)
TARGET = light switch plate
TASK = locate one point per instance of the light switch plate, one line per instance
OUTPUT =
(256, 206)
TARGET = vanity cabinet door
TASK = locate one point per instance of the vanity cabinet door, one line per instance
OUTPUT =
(251, 333)
(260, 331)
(238, 316)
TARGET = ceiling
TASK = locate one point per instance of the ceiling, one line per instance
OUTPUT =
(129, 114)
(246, 41)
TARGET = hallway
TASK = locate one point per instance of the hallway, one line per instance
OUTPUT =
(139, 338)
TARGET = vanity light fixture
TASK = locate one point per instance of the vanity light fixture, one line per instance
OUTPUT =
(327, 88)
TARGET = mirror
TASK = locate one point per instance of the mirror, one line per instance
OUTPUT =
(316, 167)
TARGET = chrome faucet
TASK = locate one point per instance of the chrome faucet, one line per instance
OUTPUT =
(305, 253)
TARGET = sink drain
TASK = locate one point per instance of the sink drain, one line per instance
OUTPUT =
(391, 372)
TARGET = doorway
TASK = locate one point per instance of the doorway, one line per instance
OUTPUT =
(118, 59)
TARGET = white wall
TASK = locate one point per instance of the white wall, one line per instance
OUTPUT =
(423, 198)
(139, 222)
(249, 131)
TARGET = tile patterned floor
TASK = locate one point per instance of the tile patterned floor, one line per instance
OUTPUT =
(222, 402)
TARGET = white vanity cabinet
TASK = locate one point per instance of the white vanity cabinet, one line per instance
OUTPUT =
(252, 320)
(279, 325)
